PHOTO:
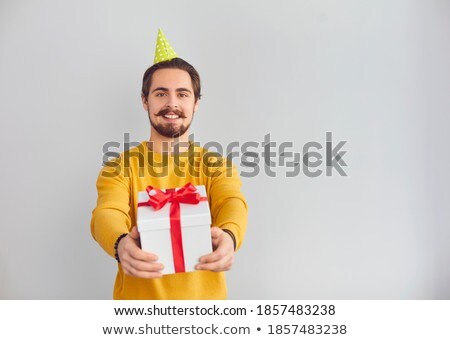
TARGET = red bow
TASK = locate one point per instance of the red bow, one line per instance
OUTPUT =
(188, 195)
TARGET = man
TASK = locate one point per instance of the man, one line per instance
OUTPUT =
(170, 95)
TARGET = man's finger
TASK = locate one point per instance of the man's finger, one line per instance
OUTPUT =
(215, 256)
(223, 264)
(144, 266)
(142, 274)
(137, 254)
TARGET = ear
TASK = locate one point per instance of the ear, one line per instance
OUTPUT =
(196, 105)
(144, 103)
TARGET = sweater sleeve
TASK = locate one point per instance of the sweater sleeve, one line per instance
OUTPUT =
(228, 204)
(111, 216)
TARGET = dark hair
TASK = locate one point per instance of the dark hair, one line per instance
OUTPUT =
(176, 63)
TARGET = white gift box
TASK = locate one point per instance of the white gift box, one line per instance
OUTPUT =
(154, 228)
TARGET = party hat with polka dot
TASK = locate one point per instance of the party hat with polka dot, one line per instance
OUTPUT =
(163, 52)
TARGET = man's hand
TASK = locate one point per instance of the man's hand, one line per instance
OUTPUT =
(135, 261)
(221, 259)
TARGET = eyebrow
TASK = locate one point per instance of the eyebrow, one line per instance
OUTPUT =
(181, 89)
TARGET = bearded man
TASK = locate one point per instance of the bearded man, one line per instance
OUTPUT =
(171, 93)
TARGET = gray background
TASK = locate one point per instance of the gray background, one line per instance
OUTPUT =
(376, 74)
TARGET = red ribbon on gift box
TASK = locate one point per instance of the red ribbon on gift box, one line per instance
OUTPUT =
(188, 195)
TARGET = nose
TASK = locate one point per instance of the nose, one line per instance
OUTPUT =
(172, 102)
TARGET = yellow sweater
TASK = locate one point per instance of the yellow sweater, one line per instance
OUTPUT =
(118, 185)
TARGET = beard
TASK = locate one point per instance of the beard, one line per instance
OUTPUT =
(170, 130)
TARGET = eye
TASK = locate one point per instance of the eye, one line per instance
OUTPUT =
(183, 95)
(160, 94)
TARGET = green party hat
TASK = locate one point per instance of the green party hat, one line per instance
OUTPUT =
(163, 52)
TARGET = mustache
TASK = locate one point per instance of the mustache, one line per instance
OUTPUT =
(166, 111)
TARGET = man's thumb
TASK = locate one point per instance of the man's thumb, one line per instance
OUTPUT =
(216, 232)
(134, 234)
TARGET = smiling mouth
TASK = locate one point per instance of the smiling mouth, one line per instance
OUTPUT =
(171, 116)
